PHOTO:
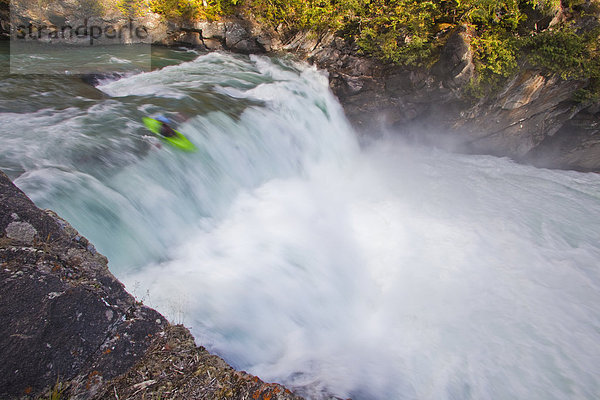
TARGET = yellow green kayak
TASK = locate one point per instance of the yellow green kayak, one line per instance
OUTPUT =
(179, 141)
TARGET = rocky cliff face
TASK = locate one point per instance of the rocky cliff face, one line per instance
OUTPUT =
(68, 324)
(531, 112)
(534, 118)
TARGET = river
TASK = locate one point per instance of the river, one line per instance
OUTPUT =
(366, 268)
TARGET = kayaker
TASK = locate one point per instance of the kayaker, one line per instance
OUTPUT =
(165, 129)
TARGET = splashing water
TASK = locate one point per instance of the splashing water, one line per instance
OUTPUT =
(375, 272)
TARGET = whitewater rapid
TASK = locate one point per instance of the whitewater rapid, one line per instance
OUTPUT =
(378, 270)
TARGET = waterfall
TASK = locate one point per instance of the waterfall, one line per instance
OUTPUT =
(379, 270)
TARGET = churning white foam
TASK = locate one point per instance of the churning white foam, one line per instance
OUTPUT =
(404, 273)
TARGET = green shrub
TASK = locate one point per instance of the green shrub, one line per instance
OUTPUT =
(400, 31)
(494, 55)
(571, 55)
(132, 8)
(565, 52)
(298, 14)
(193, 9)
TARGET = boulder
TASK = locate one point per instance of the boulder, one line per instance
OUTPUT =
(455, 66)
(213, 44)
(211, 29)
(238, 39)
(190, 39)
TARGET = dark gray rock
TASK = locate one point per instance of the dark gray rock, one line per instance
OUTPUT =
(66, 316)
(268, 43)
(4, 20)
(189, 39)
(211, 29)
(213, 44)
(455, 66)
(15, 206)
(238, 39)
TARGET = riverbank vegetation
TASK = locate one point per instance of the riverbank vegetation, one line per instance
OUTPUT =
(545, 33)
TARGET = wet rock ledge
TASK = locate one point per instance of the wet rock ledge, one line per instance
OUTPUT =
(69, 326)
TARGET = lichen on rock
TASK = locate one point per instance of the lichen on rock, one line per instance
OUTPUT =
(21, 232)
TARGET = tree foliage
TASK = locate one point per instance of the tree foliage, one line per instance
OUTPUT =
(193, 9)
(410, 32)
(565, 52)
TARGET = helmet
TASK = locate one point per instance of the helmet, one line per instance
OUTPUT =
(163, 119)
